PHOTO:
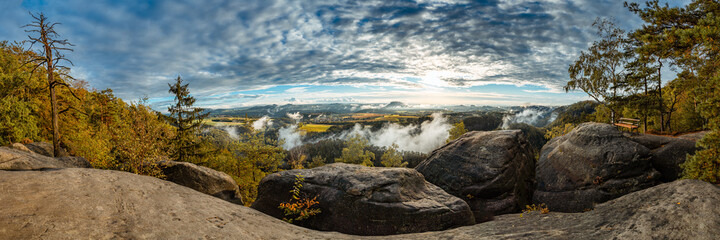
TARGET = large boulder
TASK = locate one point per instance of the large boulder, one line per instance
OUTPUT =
(78, 203)
(45, 149)
(202, 179)
(667, 153)
(592, 164)
(18, 159)
(492, 171)
(361, 200)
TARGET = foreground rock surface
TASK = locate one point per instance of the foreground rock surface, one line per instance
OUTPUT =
(366, 201)
(202, 179)
(592, 164)
(667, 153)
(684, 209)
(100, 204)
(492, 171)
(16, 159)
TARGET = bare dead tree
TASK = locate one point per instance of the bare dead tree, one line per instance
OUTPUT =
(50, 57)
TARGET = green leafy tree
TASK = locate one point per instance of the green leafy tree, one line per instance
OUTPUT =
(392, 157)
(188, 120)
(355, 152)
(599, 72)
(557, 131)
(255, 157)
(316, 161)
(18, 104)
(457, 131)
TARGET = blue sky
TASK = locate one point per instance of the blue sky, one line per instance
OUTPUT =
(241, 53)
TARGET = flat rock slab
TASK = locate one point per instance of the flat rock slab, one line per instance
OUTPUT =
(362, 200)
(78, 203)
(81, 203)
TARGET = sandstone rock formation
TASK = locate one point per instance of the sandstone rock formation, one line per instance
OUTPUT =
(14, 159)
(492, 171)
(366, 201)
(45, 149)
(667, 153)
(81, 203)
(202, 179)
(592, 164)
(684, 209)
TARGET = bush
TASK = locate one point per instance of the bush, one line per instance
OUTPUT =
(705, 164)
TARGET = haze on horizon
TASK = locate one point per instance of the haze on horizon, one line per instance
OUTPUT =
(242, 53)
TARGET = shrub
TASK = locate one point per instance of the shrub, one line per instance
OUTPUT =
(300, 206)
(705, 164)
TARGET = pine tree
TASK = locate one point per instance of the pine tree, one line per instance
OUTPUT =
(187, 120)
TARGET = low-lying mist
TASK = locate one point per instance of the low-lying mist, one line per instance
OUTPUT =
(535, 117)
(424, 137)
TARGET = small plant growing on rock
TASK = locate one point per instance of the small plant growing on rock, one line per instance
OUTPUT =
(300, 206)
(542, 208)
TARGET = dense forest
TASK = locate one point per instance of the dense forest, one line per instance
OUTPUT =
(621, 71)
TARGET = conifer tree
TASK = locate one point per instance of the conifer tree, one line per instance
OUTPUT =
(187, 120)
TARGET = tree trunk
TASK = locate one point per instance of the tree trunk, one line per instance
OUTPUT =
(661, 105)
(645, 103)
(53, 97)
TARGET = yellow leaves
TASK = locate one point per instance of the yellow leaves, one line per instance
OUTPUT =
(542, 208)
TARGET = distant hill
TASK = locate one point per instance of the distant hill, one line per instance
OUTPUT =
(275, 110)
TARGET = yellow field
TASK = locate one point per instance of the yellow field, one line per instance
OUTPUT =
(393, 118)
(315, 127)
(365, 115)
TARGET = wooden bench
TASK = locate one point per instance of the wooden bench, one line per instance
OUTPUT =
(629, 123)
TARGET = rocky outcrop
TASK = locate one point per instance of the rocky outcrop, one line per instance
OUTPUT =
(15, 159)
(366, 201)
(667, 153)
(592, 164)
(81, 203)
(78, 203)
(492, 171)
(684, 209)
(202, 179)
(45, 149)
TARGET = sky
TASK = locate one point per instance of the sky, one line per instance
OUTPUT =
(244, 53)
